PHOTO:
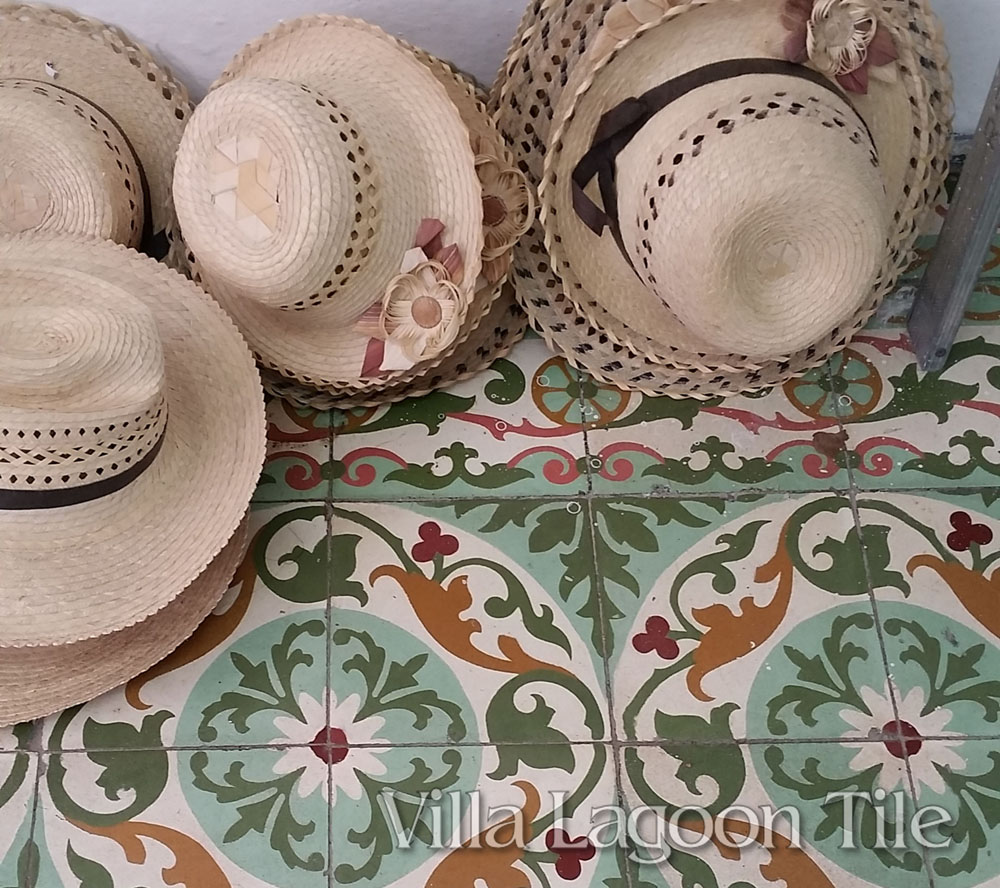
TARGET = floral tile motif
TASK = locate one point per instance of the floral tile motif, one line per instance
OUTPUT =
(467, 622)
(914, 430)
(963, 778)
(225, 819)
(514, 430)
(829, 841)
(935, 578)
(539, 798)
(733, 619)
(298, 464)
(786, 439)
(263, 817)
(255, 658)
(17, 788)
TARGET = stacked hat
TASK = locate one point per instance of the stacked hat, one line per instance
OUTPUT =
(727, 188)
(131, 438)
(91, 126)
(346, 198)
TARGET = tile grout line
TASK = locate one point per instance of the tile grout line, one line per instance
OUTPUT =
(328, 675)
(34, 756)
(855, 492)
(445, 744)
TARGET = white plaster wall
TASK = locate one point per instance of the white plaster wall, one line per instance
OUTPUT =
(198, 37)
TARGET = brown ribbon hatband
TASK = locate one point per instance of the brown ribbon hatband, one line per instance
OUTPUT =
(154, 244)
(25, 500)
(619, 126)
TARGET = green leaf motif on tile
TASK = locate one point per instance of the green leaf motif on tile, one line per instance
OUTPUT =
(748, 471)
(430, 411)
(124, 773)
(28, 862)
(540, 624)
(846, 575)
(978, 797)
(932, 394)
(511, 385)
(506, 722)
(378, 837)
(393, 685)
(425, 477)
(693, 870)
(509, 724)
(90, 873)
(343, 564)
(946, 464)
(265, 685)
(721, 761)
(263, 807)
(814, 787)
(309, 583)
(14, 779)
(685, 411)
(735, 548)
(959, 681)
(617, 535)
(823, 679)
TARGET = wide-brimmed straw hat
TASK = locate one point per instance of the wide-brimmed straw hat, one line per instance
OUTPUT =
(41, 681)
(328, 193)
(494, 323)
(493, 338)
(91, 126)
(132, 435)
(717, 217)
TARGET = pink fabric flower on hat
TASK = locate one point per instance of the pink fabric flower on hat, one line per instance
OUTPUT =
(841, 38)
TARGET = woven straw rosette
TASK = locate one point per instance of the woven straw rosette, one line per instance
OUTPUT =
(346, 198)
(91, 126)
(131, 438)
(727, 188)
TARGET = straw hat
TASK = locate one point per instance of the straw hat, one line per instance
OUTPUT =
(494, 323)
(809, 193)
(40, 681)
(328, 193)
(91, 127)
(494, 337)
(131, 437)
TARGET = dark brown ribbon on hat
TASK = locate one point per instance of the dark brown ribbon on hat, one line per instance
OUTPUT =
(154, 244)
(25, 500)
(619, 126)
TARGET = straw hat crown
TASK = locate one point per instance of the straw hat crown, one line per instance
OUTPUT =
(65, 166)
(82, 406)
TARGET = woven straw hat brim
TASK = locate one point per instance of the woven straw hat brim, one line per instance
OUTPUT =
(493, 324)
(595, 275)
(39, 682)
(472, 107)
(399, 108)
(78, 572)
(102, 63)
(500, 330)
(537, 57)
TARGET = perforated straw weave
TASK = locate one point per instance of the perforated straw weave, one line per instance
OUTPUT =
(132, 435)
(562, 46)
(63, 174)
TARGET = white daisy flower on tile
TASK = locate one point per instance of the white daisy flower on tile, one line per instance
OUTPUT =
(905, 739)
(338, 742)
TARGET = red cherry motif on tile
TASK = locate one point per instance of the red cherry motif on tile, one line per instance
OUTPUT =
(966, 533)
(433, 543)
(657, 638)
(571, 853)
